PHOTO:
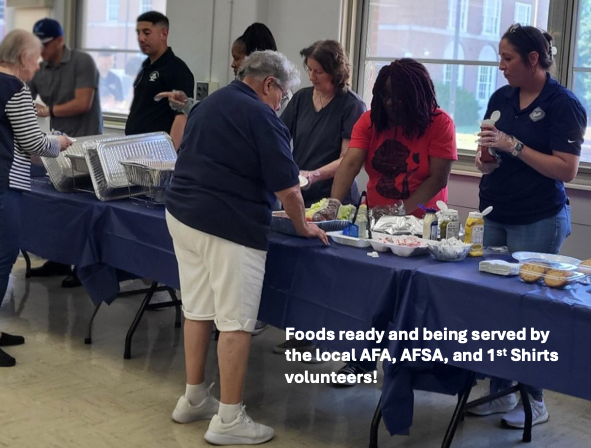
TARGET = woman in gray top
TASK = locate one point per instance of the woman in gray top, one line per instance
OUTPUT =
(320, 118)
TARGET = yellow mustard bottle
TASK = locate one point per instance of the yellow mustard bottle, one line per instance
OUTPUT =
(475, 233)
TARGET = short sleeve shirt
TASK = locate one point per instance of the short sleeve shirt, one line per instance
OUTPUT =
(397, 166)
(317, 136)
(110, 85)
(167, 73)
(57, 85)
(231, 161)
(554, 121)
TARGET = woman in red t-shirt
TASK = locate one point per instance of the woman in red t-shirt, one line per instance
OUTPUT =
(408, 146)
(406, 142)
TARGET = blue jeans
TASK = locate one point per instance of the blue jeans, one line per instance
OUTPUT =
(9, 235)
(546, 236)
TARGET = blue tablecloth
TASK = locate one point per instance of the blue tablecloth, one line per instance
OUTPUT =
(309, 287)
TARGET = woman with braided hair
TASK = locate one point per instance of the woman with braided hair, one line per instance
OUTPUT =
(257, 37)
(407, 144)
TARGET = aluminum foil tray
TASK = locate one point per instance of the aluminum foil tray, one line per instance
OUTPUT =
(148, 172)
(102, 190)
(157, 145)
(62, 172)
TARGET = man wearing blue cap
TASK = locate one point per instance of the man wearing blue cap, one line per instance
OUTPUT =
(67, 82)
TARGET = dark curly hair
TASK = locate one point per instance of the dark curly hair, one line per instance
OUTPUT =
(526, 39)
(414, 103)
(331, 55)
(257, 37)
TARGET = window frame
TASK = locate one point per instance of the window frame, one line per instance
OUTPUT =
(517, 19)
(494, 19)
(451, 18)
(562, 25)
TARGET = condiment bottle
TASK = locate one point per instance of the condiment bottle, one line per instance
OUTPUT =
(449, 224)
(487, 155)
(475, 233)
(430, 227)
(361, 221)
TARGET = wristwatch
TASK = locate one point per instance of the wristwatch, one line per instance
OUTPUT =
(517, 148)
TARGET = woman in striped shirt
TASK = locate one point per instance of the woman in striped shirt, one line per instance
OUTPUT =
(20, 137)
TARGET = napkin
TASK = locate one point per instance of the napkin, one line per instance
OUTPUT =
(499, 267)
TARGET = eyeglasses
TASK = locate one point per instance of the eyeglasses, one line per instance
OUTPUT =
(285, 96)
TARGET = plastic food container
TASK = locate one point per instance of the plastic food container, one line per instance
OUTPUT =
(450, 250)
(339, 238)
(403, 246)
(552, 274)
(585, 267)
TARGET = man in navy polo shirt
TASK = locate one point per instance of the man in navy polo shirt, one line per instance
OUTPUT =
(235, 160)
(162, 71)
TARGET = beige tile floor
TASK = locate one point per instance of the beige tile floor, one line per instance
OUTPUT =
(65, 394)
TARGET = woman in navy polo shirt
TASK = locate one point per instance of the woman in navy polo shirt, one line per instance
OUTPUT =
(537, 139)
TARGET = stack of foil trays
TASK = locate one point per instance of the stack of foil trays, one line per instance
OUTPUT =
(63, 172)
(100, 157)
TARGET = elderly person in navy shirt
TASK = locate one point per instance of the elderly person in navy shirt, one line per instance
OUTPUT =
(537, 139)
(233, 163)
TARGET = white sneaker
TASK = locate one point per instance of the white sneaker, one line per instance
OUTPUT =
(516, 417)
(498, 406)
(242, 431)
(185, 412)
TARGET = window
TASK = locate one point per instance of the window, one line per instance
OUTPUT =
(522, 13)
(582, 69)
(145, 6)
(451, 21)
(397, 28)
(112, 10)
(492, 17)
(2, 18)
(112, 42)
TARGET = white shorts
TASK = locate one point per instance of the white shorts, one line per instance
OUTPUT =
(220, 280)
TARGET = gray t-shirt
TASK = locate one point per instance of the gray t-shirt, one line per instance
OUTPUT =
(57, 85)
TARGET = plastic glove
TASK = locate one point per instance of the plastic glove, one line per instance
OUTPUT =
(491, 137)
(177, 100)
(388, 210)
(312, 176)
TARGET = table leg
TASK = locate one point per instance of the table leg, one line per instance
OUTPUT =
(528, 414)
(137, 319)
(375, 425)
(27, 264)
(88, 338)
(459, 411)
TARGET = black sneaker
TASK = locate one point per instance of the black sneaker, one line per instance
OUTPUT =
(51, 268)
(6, 360)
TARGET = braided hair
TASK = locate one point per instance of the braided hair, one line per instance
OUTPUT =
(413, 100)
(257, 37)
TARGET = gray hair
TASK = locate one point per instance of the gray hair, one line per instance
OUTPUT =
(261, 64)
(16, 45)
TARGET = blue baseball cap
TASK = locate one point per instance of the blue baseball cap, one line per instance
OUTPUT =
(47, 29)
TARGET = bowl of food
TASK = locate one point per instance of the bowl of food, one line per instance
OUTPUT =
(450, 249)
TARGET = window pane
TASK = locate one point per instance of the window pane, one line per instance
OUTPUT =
(108, 34)
(462, 60)
(2, 18)
(582, 88)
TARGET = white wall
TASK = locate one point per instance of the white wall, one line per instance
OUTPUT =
(203, 31)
